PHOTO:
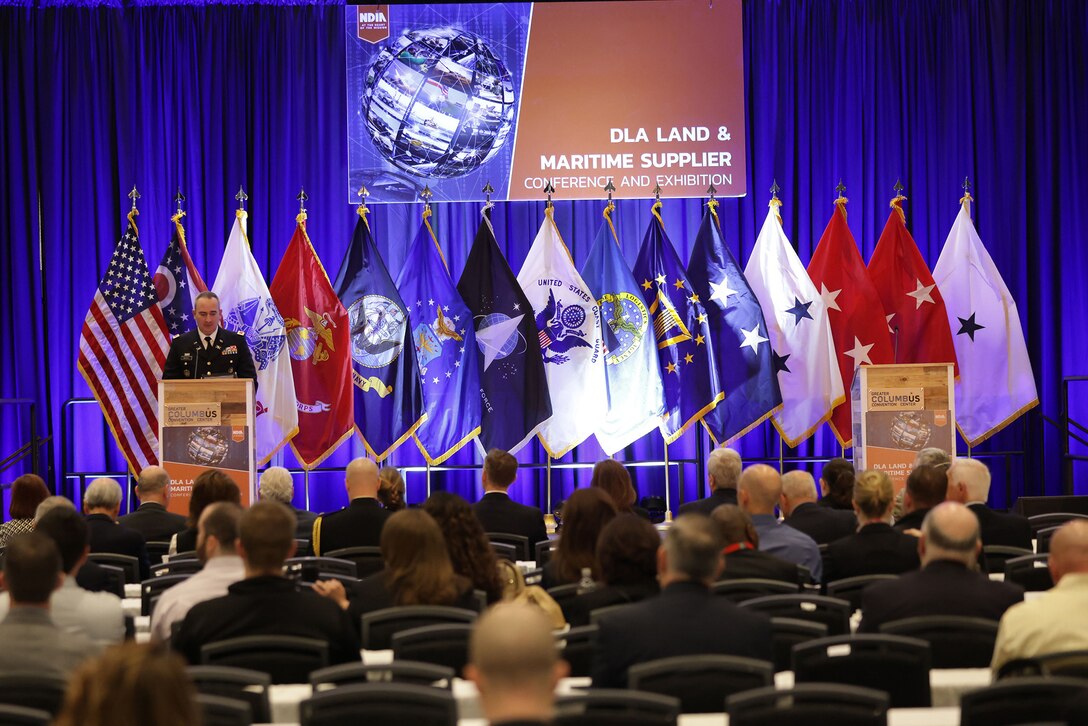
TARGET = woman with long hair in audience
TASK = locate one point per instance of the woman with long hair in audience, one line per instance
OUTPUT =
(27, 492)
(391, 488)
(585, 514)
(837, 484)
(470, 551)
(612, 477)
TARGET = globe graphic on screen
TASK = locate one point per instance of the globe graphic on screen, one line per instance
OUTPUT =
(438, 102)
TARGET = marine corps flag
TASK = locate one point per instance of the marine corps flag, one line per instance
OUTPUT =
(568, 321)
(513, 386)
(681, 329)
(318, 341)
(445, 349)
(388, 398)
(177, 282)
(996, 383)
(741, 348)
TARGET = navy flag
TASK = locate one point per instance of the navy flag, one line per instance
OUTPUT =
(742, 347)
(513, 386)
(682, 332)
(445, 348)
(388, 397)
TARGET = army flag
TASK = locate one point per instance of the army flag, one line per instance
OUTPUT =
(177, 282)
(513, 385)
(636, 397)
(445, 350)
(568, 322)
(248, 309)
(388, 396)
(802, 350)
(858, 326)
(996, 383)
(682, 332)
(741, 347)
(318, 340)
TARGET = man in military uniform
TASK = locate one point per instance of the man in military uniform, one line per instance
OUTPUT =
(209, 351)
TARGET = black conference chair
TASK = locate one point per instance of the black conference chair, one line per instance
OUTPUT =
(444, 645)
(505, 551)
(995, 556)
(186, 555)
(151, 590)
(519, 541)
(1020, 701)
(608, 707)
(368, 560)
(830, 611)
(576, 648)
(285, 659)
(129, 565)
(312, 569)
(850, 588)
(379, 626)
(240, 684)
(398, 671)
(954, 642)
(897, 665)
(788, 632)
(1073, 664)
(220, 711)
(598, 613)
(114, 580)
(700, 681)
(748, 588)
(1029, 572)
(808, 704)
(20, 716)
(177, 567)
(1042, 540)
(380, 704)
(302, 548)
(563, 594)
(656, 507)
(1052, 519)
(39, 692)
(544, 551)
(157, 551)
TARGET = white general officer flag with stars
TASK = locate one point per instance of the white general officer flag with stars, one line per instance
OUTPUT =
(996, 384)
(248, 309)
(802, 347)
(569, 323)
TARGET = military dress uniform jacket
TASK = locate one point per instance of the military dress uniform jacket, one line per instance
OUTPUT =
(229, 356)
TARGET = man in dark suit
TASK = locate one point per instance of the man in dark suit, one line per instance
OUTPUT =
(969, 483)
(743, 559)
(360, 523)
(926, 487)
(722, 472)
(801, 511)
(101, 503)
(947, 584)
(496, 511)
(151, 518)
(686, 618)
(266, 602)
(209, 351)
(278, 486)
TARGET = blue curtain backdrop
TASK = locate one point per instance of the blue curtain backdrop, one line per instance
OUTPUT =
(96, 97)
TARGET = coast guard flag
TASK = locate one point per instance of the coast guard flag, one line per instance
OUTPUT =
(513, 385)
(318, 341)
(636, 397)
(996, 384)
(568, 322)
(177, 282)
(684, 348)
(445, 348)
(803, 352)
(248, 309)
(388, 396)
(741, 346)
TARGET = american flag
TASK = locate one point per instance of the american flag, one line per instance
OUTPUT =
(175, 282)
(122, 349)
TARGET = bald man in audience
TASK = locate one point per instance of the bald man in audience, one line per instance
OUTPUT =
(723, 468)
(949, 582)
(927, 486)
(969, 483)
(514, 662)
(759, 491)
(151, 518)
(1057, 621)
(360, 523)
(802, 512)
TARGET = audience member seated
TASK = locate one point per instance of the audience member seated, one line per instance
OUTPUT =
(515, 665)
(743, 559)
(686, 618)
(837, 484)
(470, 551)
(759, 491)
(585, 514)
(612, 477)
(926, 488)
(800, 510)
(30, 642)
(876, 548)
(969, 483)
(151, 519)
(210, 486)
(91, 577)
(102, 503)
(266, 602)
(130, 684)
(948, 583)
(1058, 620)
(929, 456)
(627, 554)
(277, 485)
(722, 473)
(216, 547)
(417, 571)
(391, 488)
(360, 523)
(496, 511)
(27, 492)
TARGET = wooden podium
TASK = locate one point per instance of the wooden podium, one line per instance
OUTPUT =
(898, 410)
(206, 424)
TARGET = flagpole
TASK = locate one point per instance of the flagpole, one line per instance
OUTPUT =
(428, 480)
(548, 480)
(306, 484)
(668, 512)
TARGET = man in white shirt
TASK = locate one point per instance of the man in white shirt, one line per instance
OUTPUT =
(217, 532)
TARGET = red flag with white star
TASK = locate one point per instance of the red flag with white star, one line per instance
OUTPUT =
(854, 309)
